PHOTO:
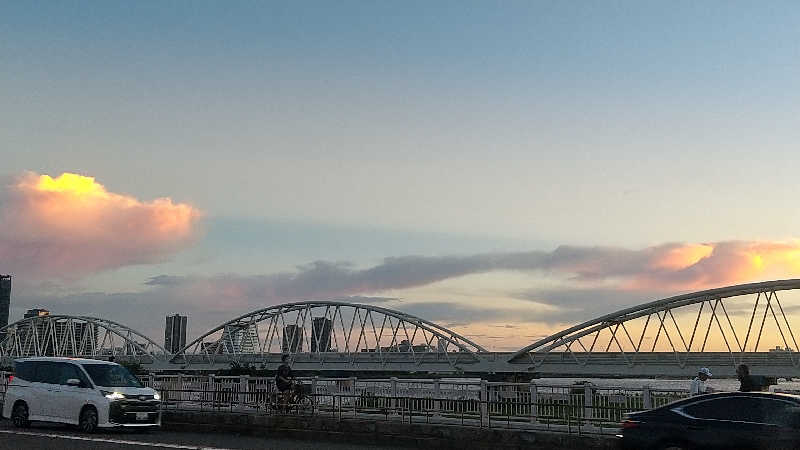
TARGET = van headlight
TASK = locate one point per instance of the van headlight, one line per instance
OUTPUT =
(156, 396)
(113, 395)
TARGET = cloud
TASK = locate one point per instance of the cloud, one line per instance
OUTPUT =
(71, 226)
(606, 276)
(594, 281)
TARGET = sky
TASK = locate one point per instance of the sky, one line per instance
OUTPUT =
(482, 164)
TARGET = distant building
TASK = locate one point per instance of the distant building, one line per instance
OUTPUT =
(321, 334)
(5, 301)
(211, 348)
(292, 339)
(36, 312)
(32, 333)
(175, 333)
(239, 338)
(57, 336)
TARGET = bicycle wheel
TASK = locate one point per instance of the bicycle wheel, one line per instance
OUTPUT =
(305, 406)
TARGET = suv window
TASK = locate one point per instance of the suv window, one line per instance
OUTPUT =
(779, 412)
(746, 409)
(741, 409)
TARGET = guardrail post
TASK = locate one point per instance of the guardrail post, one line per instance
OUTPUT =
(437, 395)
(484, 409)
(394, 395)
(647, 399)
(212, 388)
(152, 380)
(534, 402)
(180, 387)
(244, 387)
(588, 401)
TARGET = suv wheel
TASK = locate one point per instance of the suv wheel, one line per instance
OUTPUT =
(20, 415)
(88, 420)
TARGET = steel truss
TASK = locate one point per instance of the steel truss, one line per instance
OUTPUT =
(76, 336)
(633, 334)
(328, 331)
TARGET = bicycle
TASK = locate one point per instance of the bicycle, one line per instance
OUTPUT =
(296, 400)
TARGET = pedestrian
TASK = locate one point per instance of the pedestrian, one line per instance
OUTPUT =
(698, 386)
(745, 380)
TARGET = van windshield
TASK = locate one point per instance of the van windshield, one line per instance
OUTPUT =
(111, 375)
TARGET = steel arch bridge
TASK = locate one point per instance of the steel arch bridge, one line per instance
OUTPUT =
(76, 336)
(333, 335)
(717, 328)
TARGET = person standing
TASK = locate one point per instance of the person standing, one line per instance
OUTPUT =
(698, 386)
(745, 380)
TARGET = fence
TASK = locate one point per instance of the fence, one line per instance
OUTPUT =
(582, 408)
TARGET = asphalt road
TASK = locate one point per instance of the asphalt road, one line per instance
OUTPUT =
(57, 437)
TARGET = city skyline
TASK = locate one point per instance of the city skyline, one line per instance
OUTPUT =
(503, 171)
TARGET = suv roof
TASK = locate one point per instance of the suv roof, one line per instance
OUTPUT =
(743, 394)
(65, 359)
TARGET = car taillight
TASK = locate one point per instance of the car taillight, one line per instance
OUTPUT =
(628, 424)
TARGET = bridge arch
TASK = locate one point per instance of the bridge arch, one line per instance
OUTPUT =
(740, 331)
(328, 332)
(76, 336)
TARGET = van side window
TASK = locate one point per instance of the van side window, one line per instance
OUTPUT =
(24, 370)
(37, 371)
(48, 372)
(67, 371)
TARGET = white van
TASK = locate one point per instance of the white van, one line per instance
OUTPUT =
(84, 392)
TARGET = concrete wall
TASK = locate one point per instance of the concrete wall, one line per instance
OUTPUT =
(379, 432)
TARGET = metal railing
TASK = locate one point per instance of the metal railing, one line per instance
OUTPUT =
(578, 408)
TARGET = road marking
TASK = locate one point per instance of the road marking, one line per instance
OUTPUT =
(112, 441)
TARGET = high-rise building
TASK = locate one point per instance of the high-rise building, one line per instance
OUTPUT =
(239, 338)
(32, 333)
(36, 312)
(321, 334)
(175, 333)
(292, 339)
(5, 301)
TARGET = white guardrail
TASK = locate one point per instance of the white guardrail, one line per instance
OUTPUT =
(478, 401)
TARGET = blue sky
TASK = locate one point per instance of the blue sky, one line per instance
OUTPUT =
(355, 131)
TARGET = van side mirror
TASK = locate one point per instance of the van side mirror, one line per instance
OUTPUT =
(74, 382)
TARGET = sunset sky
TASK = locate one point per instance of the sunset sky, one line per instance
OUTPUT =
(503, 168)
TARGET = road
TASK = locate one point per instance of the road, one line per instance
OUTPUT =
(52, 437)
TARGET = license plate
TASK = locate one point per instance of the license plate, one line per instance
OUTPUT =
(142, 416)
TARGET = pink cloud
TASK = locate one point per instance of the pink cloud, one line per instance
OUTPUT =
(71, 226)
(667, 268)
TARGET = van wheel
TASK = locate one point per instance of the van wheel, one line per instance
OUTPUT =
(20, 415)
(88, 420)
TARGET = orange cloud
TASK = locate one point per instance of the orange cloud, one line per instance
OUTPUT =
(718, 264)
(71, 226)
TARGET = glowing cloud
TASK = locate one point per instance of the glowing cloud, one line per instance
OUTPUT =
(70, 226)
(619, 274)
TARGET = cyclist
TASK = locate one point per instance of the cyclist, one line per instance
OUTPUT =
(284, 381)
